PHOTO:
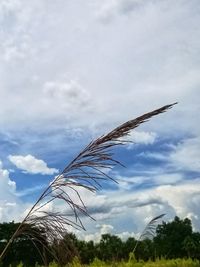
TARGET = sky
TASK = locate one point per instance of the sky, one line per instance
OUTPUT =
(71, 71)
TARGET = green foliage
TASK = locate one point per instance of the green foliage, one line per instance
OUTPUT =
(174, 240)
(22, 249)
(87, 251)
(158, 263)
(110, 247)
(98, 263)
(75, 263)
(132, 258)
(173, 263)
(53, 264)
(65, 249)
(170, 238)
(132, 262)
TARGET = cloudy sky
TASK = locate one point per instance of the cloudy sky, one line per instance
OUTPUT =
(71, 71)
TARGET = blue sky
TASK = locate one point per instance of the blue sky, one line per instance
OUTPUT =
(73, 70)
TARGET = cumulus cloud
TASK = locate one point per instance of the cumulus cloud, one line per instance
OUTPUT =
(30, 190)
(30, 164)
(153, 155)
(141, 137)
(11, 207)
(105, 228)
(109, 10)
(7, 183)
(96, 236)
(186, 155)
(160, 177)
(40, 96)
(127, 212)
(67, 93)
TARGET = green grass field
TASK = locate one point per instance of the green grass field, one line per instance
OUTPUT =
(132, 263)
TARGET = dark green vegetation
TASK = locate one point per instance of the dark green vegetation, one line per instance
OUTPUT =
(173, 240)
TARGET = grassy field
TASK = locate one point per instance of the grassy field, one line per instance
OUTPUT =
(133, 263)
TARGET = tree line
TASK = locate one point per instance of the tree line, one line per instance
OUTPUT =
(175, 239)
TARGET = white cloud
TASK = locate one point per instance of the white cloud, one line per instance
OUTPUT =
(66, 93)
(153, 155)
(11, 208)
(53, 76)
(9, 185)
(96, 236)
(29, 191)
(109, 10)
(150, 179)
(141, 137)
(184, 198)
(125, 235)
(129, 211)
(30, 164)
(168, 178)
(186, 155)
(105, 228)
(9, 6)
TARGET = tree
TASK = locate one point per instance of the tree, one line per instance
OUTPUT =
(110, 247)
(129, 247)
(144, 250)
(170, 237)
(87, 251)
(189, 246)
(23, 248)
(65, 249)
